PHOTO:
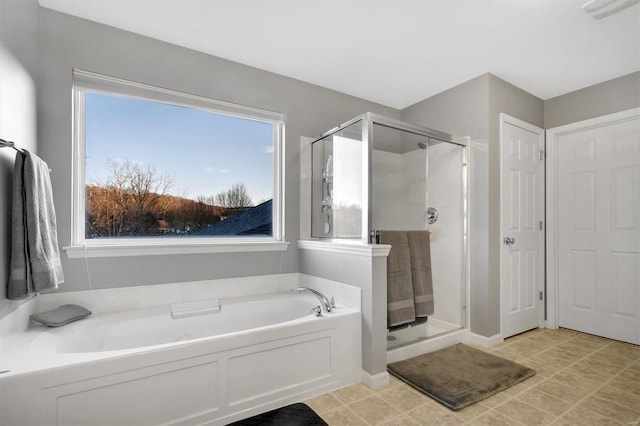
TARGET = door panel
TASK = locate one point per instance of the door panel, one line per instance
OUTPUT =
(598, 202)
(521, 212)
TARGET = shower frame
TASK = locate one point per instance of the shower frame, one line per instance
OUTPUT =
(375, 353)
(368, 120)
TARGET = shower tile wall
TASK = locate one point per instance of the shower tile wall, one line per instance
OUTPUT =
(399, 202)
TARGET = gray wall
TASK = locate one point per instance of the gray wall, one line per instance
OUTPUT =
(464, 111)
(18, 76)
(604, 98)
(473, 109)
(66, 42)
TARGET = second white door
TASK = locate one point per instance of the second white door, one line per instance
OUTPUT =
(598, 226)
(521, 213)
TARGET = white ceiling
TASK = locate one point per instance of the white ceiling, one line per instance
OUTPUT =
(395, 52)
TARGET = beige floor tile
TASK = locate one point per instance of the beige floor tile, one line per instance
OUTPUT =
(516, 389)
(622, 350)
(610, 360)
(622, 383)
(564, 356)
(583, 337)
(542, 370)
(471, 412)
(401, 421)
(492, 418)
(342, 416)
(524, 413)
(619, 396)
(561, 421)
(501, 345)
(581, 417)
(324, 403)
(610, 410)
(549, 338)
(496, 399)
(580, 348)
(580, 380)
(393, 382)
(574, 381)
(581, 369)
(631, 373)
(506, 354)
(526, 348)
(352, 393)
(433, 413)
(599, 365)
(565, 393)
(403, 398)
(557, 359)
(545, 402)
(374, 410)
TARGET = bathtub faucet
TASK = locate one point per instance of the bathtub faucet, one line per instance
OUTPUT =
(328, 306)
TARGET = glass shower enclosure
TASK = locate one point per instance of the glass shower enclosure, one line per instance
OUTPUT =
(376, 173)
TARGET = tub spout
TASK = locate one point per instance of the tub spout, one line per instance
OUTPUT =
(328, 306)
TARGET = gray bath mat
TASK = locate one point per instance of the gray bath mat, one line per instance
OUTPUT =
(459, 375)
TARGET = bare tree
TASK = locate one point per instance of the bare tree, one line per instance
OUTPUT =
(146, 189)
(130, 200)
(235, 198)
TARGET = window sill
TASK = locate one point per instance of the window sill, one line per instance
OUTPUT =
(118, 249)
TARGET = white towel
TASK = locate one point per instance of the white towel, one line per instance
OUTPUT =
(35, 258)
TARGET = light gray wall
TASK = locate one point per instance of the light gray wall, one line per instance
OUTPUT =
(18, 74)
(473, 109)
(604, 98)
(464, 111)
(66, 42)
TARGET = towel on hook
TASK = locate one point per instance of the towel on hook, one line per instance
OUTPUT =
(421, 274)
(35, 258)
(400, 298)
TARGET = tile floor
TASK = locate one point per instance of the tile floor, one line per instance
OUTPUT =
(581, 380)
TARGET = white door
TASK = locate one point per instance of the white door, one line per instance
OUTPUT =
(598, 230)
(521, 212)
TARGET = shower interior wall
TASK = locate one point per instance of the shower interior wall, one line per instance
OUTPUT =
(404, 184)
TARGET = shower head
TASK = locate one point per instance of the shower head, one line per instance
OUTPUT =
(422, 145)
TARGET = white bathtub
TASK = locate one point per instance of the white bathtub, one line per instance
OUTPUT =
(143, 367)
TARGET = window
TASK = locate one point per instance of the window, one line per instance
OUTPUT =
(159, 171)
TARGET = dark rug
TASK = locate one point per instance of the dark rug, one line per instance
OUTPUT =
(292, 415)
(459, 375)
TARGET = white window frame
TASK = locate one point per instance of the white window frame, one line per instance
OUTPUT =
(84, 81)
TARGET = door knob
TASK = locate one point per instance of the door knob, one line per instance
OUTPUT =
(509, 240)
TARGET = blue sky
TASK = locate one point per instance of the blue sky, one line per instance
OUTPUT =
(205, 153)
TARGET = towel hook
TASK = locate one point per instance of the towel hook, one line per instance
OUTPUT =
(8, 144)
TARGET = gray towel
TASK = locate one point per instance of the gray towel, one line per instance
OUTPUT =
(400, 301)
(420, 253)
(35, 258)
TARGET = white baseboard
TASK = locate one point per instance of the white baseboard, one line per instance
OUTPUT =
(487, 342)
(374, 381)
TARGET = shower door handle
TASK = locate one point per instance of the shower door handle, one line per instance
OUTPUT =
(509, 240)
